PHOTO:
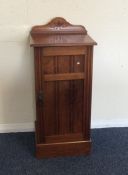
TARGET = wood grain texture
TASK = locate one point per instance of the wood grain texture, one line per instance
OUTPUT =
(38, 40)
(67, 94)
(64, 137)
(63, 149)
(67, 76)
(59, 32)
(58, 25)
(63, 55)
(50, 51)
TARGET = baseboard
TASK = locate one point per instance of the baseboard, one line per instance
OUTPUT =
(28, 127)
(109, 123)
(16, 127)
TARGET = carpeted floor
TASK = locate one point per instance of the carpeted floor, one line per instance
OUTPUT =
(109, 156)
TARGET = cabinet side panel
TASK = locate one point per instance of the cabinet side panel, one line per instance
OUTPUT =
(38, 87)
(88, 92)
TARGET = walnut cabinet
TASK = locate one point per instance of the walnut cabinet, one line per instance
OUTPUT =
(63, 55)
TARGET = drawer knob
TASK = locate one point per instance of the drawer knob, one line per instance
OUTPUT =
(78, 63)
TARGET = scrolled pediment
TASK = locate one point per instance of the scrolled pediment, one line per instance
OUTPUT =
(59, 25)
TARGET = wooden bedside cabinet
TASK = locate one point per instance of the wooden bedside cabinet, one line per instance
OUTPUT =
(63, 55)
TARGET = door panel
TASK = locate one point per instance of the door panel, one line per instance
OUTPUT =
(63, 64)
(77, 90)
(49, 108)
(63, 107)
(63, 99)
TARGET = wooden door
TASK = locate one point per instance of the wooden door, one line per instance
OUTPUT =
(63, 76)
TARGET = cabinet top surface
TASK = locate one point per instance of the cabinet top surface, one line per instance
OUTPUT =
(59, 32)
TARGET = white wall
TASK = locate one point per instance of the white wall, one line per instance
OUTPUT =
(107, 23)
